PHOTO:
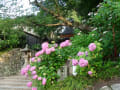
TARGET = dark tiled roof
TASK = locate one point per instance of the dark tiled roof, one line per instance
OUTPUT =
(65, 30)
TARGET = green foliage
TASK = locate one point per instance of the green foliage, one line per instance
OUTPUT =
(38, 24)
(101, 69)
(73, 83)
(82, 7)
(106, 20)
(51, 63)
(45, 31)
(107, 71)
(49, 66)
(74, 15)
(10, 37)
(81, 40)
(94, 61)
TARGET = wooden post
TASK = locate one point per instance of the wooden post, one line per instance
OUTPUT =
(115, 48)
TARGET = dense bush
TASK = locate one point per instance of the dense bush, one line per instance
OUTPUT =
(9, 36)
(80, 82)
(106, 20)
(93, 68)
(45, 64)
(13, 40)
(81, 40)
(43, 68)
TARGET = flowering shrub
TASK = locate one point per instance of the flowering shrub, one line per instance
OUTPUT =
(81, 40)
(86, 59)
(44, 66)
(94, 70)
(92, 47)
(106, 21)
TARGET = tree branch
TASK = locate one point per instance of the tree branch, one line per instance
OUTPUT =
(57, 6)
(57, 24)
(66, 22)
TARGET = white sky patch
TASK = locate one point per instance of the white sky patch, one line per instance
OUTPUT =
(16, 8)
(26, 4)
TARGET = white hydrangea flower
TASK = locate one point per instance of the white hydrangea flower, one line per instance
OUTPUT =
(100, 39)
(95, 29)
(98, 6)
(105, 32)
(90, 13)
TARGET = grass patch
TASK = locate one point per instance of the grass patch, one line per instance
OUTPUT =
(73, 83)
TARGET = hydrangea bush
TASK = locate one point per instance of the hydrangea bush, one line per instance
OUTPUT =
(44, 66)
(87, 59)
(106, 21)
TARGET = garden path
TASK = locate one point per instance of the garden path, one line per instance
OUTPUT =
(16, 82)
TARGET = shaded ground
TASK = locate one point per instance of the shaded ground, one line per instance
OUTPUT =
(114, 80)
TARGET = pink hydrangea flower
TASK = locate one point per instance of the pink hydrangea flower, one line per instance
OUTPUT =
(69, 44)
(29, 84)
(86, 53)
(33, 72)
(34, 88)
(83, 62)
(28, 66)
(26, 75)
(32, 68)
(48, 51)
(26, 69)
(92, 46)
(74, 62)
(23, 71)
(38, 60)
(35, 77)
(45, 45)
(39, 53)
(55, 45)
(80, 53)
(44, 81)
(32, 59)
(67, 41)
(39, 78)
(63, 44)
(90, 72)
(52, 49)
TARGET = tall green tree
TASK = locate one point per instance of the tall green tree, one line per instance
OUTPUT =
(60, 9)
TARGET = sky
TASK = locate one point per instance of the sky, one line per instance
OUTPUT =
(16, 8)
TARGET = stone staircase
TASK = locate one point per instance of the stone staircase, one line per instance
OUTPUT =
(16, 82)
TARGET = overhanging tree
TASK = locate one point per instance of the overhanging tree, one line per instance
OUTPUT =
(59, 9)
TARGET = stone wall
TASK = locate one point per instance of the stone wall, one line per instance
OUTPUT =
(11, 62)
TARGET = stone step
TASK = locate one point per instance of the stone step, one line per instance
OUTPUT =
(19, 76)
(13, 83)
(14, 80)
(16, 89)
(22, 79)
(8, 87)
